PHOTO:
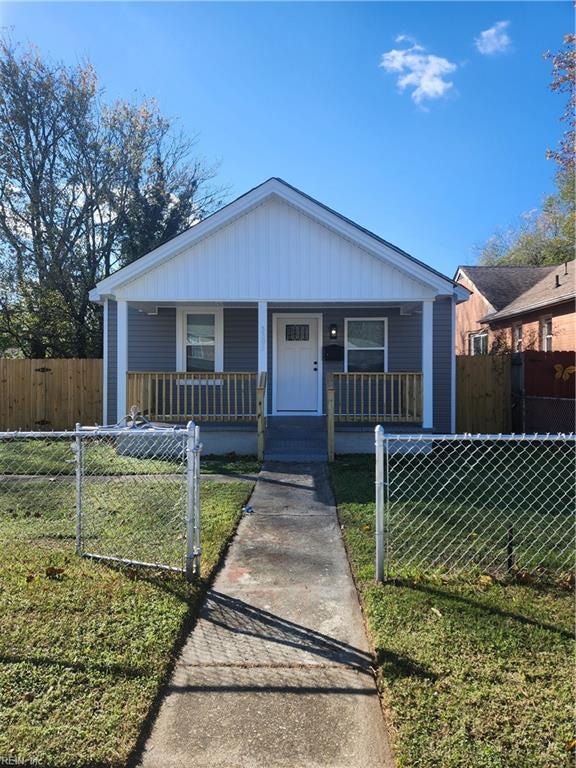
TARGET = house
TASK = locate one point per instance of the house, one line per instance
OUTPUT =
(273, 309)
(516, 308)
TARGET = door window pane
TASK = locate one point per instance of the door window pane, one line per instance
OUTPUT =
(297, 332)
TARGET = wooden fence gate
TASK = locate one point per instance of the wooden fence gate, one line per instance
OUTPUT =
(483, 399)
(49, 394)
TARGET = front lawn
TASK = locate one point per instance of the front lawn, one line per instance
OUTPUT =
(53, 457)
(84, 647)
(474, 672)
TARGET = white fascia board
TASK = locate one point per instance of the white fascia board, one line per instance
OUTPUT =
(461, 293)
(100, 297)
(281, 302)
(239, 207)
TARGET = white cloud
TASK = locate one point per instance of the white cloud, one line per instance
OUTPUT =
(407, 39)
(494, 40)
(416, 69)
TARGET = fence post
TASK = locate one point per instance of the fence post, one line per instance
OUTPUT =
(380, 543)
(192, 566)
(260, 396)
(78, 450)
(330, 416)
(197, 530)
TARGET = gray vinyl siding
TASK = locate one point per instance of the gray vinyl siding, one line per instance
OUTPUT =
(112, 362)
(152, 346)
(404, 339)
(443, 351)
(152, 340)
(152, 343)
(241, 340)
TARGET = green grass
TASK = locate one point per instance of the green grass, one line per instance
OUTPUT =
(84, 648)
(469, 509)
(230, 465)
(474, 672)
(55, 457)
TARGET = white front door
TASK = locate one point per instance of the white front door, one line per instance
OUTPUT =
(297, 364)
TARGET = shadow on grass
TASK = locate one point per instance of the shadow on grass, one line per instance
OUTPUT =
(395, 667)
(479, 605)
(118, 670)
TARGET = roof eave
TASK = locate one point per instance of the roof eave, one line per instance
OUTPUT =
(505, 314)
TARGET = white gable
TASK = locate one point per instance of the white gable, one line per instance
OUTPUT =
(275, 252)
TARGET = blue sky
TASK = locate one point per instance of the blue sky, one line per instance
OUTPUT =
(301, 90)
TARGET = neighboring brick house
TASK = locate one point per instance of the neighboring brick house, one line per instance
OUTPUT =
(516, 308)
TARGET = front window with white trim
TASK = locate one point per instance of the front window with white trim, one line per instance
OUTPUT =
(365, 348)
(200, 343)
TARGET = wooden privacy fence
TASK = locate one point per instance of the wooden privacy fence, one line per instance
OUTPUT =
(483, 399)
(49, 394)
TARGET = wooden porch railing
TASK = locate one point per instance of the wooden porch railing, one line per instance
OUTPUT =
(201, 397)
(372, 397)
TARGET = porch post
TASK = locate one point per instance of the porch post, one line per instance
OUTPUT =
(427, 364)
(122, 358)
(453, 366)
(105, 353)
(262, 336)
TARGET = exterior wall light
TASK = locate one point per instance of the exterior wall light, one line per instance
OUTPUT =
(333, 331)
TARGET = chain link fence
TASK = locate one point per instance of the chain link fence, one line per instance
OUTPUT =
(121, 494)
(465, 505)
(550, 414)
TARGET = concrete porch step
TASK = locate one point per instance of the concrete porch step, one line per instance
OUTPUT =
(295, 456)
(296, 438)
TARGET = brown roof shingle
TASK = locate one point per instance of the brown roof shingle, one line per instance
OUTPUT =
(557, 286)
(504, 284)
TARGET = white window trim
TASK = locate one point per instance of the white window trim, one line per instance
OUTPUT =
(547, 338)
(199, 309)
(517, 327)
(472, 336)
(354, 319)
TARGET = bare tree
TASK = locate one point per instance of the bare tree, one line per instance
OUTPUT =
(84, 188)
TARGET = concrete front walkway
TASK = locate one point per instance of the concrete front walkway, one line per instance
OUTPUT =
(276, 673)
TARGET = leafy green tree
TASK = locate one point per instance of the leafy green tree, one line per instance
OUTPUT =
(564, 81)
(546, 237)
(85, 188)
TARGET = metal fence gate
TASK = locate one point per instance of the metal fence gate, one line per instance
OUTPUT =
(471, 504)
(127, 495)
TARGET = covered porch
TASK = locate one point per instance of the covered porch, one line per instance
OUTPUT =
(235, 366)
